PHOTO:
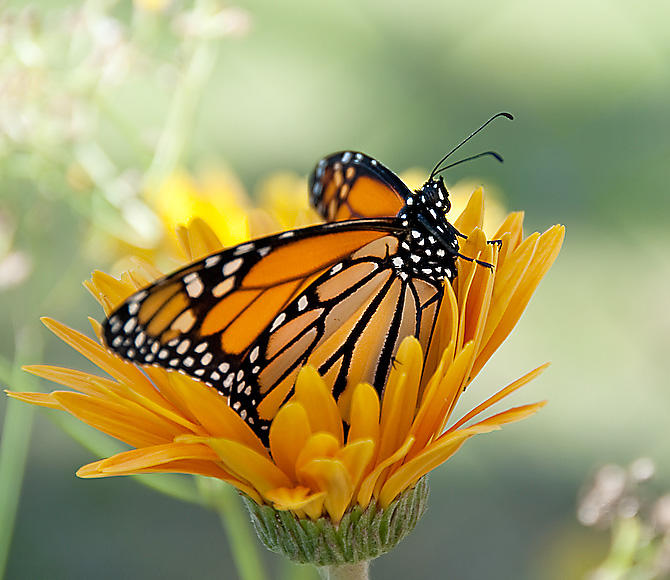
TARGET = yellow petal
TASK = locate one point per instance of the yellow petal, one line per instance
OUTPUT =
(473, 215)
(440, 400)
(511, 415)
(210, 409)
(400, 397)
(432, 456)
(130, 461)
(41, 399)
(444, 335)
(81, 381)
(548, 246)
(313, 394)
(500, 395)
(129, 423)
(245, 463)
(318, 446)
(109, 291)
(357, 458)
(295, 498)
(111, 364)
(364, 414)
(513, 225)
(289, 433)
(202, 241)
(331, 476)
(369, 483)
(189, 466)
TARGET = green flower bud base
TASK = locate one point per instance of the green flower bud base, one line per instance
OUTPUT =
(362, 534)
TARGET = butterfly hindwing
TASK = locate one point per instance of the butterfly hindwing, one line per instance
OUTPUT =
(352, 185)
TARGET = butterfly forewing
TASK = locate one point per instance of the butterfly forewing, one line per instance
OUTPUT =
(352, 185)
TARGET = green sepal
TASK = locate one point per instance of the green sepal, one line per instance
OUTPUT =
(362, 534)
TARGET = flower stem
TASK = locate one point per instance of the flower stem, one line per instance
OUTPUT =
(359, 571)
(235, 521)
(14, 449)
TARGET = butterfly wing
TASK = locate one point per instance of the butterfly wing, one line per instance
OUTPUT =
(348, 323)
(244, 320)
(352, 185)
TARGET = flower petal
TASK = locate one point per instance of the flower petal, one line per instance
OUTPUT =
(473, 214)
(548, 246)
(357, 458)
(289, 433)
(211, 410)
(400, 397)
(245, 463)
(128, 422)
(318, 446)
(331, 476)
(296, 498)
(313, 394)
(116, 367)
(364, 414)
(41, 399)
(500, 395)
(432, 456)
(369, 483)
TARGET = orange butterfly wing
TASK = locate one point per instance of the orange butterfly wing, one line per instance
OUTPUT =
(352, 185)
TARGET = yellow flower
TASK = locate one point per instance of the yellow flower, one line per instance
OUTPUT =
(314, 466)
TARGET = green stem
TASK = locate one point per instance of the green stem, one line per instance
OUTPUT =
(359, 571)
(14, 449)
(225, 500)
(182, 113)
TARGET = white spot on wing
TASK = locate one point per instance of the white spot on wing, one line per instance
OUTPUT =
(232, 266)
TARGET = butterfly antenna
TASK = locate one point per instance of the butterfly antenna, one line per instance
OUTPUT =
(489, 153)
(435, 169)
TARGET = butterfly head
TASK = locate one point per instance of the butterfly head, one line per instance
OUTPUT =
(434, 194)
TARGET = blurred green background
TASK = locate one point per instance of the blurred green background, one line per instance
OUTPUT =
(99, 99)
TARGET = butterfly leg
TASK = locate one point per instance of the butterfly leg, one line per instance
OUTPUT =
(480, 262)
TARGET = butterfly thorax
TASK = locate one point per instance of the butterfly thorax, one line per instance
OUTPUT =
(430, 245)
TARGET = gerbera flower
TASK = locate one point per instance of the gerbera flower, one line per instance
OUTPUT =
(315, 469)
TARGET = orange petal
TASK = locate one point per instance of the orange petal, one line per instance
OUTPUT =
(313, 394)
(357, 458)
(127, 422)
(245, 463)
(400, 397)
(548, 246)
(500, 395)
(210, 409)
(111, 364)
(513, 225)
(331, 476)
(131, 461)
(364, 414)
(41, 399)
(473, 214)
(202, 241)
(318, 446)
(368, 485)
(289, 433)
(295, 498)
(440, 400)
(432, 456)
(109, 291)
(446, 330)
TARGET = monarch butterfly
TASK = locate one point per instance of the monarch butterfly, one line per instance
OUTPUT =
(340, 295)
